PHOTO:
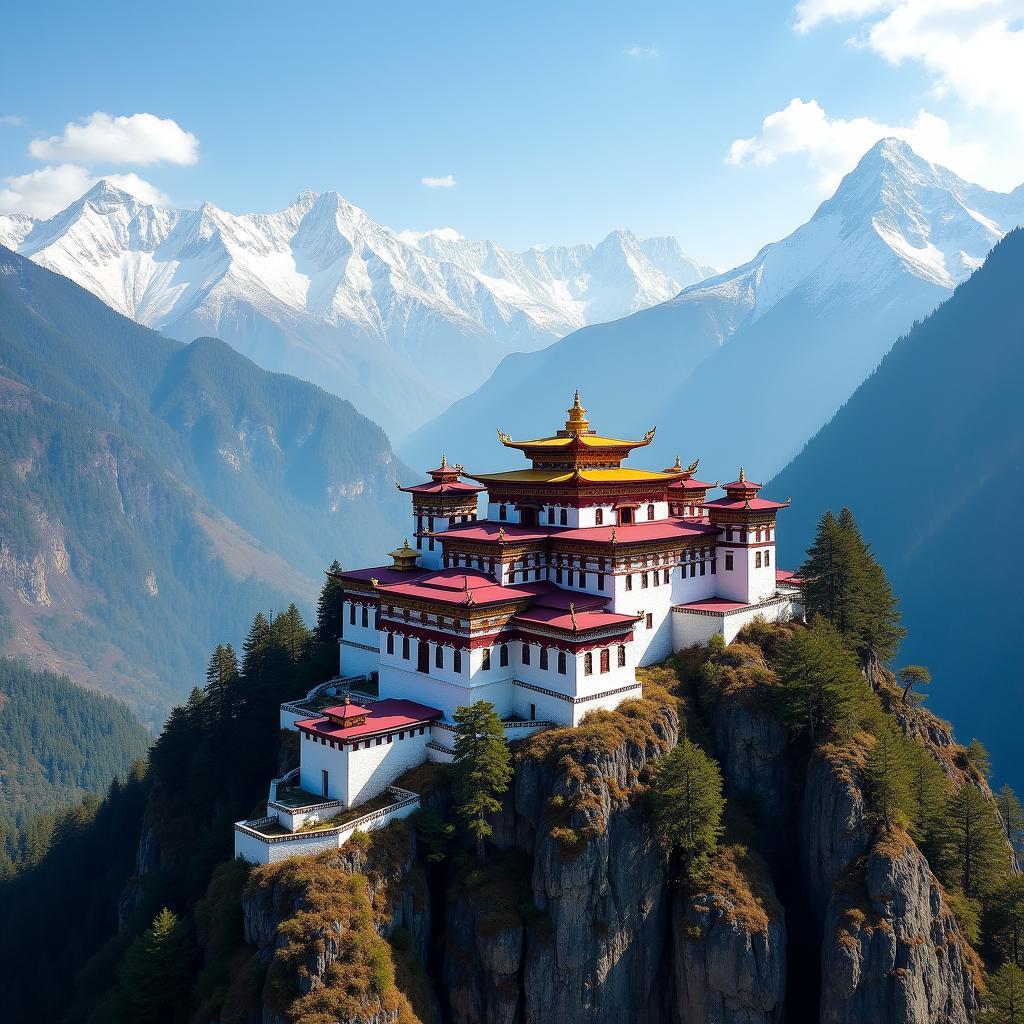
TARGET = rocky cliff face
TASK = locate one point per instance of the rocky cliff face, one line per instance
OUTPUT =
(892, 949)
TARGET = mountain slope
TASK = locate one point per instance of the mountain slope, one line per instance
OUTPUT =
(745, 366)
(402, 326)
(58, 742)
(933, 439)
(153, 493)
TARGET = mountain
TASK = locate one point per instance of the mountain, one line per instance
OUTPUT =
(401, 325)
(58, 743)
(152, 494)
(744, 367)
(933, 437)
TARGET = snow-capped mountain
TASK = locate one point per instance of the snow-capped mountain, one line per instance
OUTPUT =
(402, 326)
(747, 365)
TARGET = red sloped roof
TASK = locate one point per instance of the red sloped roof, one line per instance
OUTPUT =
(381, 716)
(660, 529)
(756, 504)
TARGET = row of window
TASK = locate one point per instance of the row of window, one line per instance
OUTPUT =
(526, 655)
(760, 535)
(562, 515)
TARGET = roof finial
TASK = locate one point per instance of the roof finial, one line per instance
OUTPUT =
(679, 464)
(743, 476)
(501, 533)
(572, 615)
(577, 421)
(444, 460)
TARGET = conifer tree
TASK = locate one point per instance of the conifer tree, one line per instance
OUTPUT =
(154, 979)
(1012, 815)
(1004, 1001)
(1004, 920)
(688, 805)
(329, 608)
(820, 685)
(291, 634)
(929, 791)
(254, 647)
(889, 776)
(221, 683)
(977, 757)
(482, 767)
(911, 676)
(975, 847)
(822, 570)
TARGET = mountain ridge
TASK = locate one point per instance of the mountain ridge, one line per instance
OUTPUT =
(402, 326)
(781, 340)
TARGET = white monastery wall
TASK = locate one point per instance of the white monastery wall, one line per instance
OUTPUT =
(372, 769)
(314, 759)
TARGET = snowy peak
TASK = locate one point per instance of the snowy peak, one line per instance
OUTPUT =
(895, 218)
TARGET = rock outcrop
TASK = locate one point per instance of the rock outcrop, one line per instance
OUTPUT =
(893, 952)
(730, 946)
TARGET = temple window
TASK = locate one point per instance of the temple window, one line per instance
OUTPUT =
(526, 654)
(391, 643)
(486, 666)
(650, 620)
(365, 617)
(650, 511)
(352, 614)
(714, 566)
(588, 664)
(405, 648)
(757, 560)
(728, 533)
(693, 569)
(583, 580)
(600, 581)
(766, 558)
(606, 659)
(503, 655)
(625, 517)
(599, 517)
(563, 517)
(629, 581)
(457, 661)
(544, 658)
(561, 663)
(703, 568)
(728, 561)
(622, 656)
(423, 657)
(376, 619)
(643, 581)
(668, 575)
(558, 575)
(502, 512)
(438, 656)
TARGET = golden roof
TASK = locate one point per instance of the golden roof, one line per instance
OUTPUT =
(577, 432)
(562, 476)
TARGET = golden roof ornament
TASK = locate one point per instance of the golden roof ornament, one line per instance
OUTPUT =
(577, 423)
(503, 437)
(743, 476)
(612, 540)
(692, 468)
(501, 533)
(444, 461)
(572, 615)
(678, 465)
(374, 582)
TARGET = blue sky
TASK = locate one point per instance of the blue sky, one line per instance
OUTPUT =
(556, 122)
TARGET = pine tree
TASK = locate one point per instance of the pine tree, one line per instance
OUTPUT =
(1004, 920)
(328, 626)
(688, 805)
(254, 647)
(822, 570)
(975, 847)
(1012, 815)
(889, 777)
(221, 683)
(1004, 1001)
(820, 685)
(929, 791)
(482, 768)
(290, 633)
(154, 979)
(978, 759)
(911, 676)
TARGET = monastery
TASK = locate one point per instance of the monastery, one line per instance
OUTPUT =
(581, 570)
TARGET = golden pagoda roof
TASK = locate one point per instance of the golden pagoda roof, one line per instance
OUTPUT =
(585, 476)
(576, 434)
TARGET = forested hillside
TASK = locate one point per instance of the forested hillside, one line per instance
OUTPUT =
(58, 743)
(929, 455)
(153, 493)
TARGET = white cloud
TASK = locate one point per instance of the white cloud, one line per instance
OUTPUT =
(414, 238)
(46, 191)
(642, 52)
(832, 145)
(448, 181)
(141, 139)
(11, 120)
(973, 50)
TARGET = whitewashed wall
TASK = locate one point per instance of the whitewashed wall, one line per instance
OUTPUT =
(371, 771)
(316, 757)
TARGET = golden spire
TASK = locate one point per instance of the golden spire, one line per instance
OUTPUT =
(444, 460)
(678, 464)
(743, 476)
(577, 422)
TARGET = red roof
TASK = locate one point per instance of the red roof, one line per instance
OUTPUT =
(384, 573)
(742, 485)
(671, 528)
(345, 711)
(789, 577)
(755, 504)
(488, 529)
(381, 716)
(690, 485)
(455, 587)
(560, 618)
(443, 487)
